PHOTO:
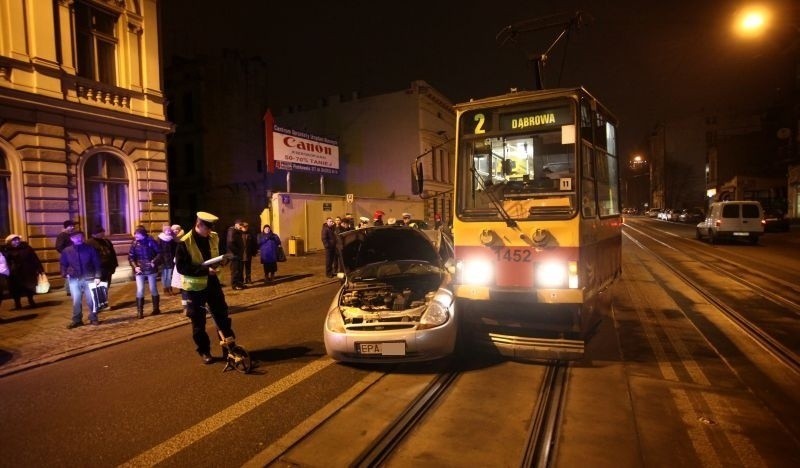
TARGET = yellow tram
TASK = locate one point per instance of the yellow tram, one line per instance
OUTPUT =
(537, 225)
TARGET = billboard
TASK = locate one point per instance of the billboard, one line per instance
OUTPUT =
(293, 150)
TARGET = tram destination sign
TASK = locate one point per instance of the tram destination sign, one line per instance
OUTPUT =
(536, 118)
(486, 120)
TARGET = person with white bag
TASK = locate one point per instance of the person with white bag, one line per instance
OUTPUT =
(24, 268)
(80, 265)
(108, 259)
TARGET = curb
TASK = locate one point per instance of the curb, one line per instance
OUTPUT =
(113, 341)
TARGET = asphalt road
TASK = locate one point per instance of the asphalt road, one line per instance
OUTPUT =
(653, 391)
(151, 400)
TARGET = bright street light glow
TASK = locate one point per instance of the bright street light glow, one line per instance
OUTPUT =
(752, 21)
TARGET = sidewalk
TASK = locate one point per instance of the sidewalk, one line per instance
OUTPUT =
(33, 337)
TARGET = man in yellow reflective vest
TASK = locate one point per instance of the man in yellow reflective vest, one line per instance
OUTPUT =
(201, 285)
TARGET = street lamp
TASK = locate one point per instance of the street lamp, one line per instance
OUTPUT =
(635, 193)
(752, 21)
(638, 162)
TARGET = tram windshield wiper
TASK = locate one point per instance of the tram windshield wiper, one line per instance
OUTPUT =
(490, 193)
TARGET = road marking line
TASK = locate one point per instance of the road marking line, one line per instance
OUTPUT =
(284, 445)
(192, 435)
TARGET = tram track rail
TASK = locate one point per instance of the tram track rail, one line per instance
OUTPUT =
(381, 448)
(543, 433)
(734, 271)
(535, 445)
(782, 353)
(539, 449)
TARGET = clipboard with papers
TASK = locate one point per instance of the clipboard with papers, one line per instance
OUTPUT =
(213, 261)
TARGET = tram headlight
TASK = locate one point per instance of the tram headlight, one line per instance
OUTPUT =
(476, 271)
(557, 274)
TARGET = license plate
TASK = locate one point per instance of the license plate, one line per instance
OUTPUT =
(743, 234)
(383, 349)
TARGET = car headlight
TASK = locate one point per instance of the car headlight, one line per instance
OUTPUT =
(438, 312)
(557, 274)
(476, 271)
(334, 322)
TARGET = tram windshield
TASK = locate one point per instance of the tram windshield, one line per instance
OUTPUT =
(527, 175)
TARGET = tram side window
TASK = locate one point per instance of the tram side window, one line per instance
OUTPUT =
(588, 205)
(600, 131)
(607, 184)
(586, 120)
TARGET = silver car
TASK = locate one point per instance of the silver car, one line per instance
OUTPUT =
(394, 304)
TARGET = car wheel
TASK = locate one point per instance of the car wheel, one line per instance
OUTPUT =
(712, 238)
(697, 234)
(754, 240)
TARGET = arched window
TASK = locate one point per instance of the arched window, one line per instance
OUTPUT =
(5, 196)
(106, 185)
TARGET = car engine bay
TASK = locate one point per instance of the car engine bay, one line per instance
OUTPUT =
(405, 301)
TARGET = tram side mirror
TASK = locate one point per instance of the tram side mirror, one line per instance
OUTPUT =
(417, 177)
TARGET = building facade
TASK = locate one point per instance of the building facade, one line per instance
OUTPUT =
(217, 161)
(82, 124)
(724, 156)
(380, 138)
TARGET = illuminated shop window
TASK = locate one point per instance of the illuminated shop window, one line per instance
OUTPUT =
(106, 193)
(96, 43)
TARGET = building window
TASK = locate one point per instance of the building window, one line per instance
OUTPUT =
(188, 159)
(188, 108)
(96, 43)
(106, 185)
(5, 198)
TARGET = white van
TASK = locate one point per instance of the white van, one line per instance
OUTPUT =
(733, 220)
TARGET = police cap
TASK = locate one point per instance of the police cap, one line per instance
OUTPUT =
(207, 218)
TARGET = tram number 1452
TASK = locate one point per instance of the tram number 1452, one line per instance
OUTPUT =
(513, 255)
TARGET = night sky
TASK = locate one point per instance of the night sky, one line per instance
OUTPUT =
(649, 61)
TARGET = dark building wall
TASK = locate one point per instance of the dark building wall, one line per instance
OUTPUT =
(217, 155)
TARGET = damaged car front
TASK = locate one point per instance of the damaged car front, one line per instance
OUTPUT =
(394, 304)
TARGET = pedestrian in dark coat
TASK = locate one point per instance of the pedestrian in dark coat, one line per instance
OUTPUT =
(24, 268)
(268, 244)
(105, 249)
(167, 245)
(250, 250)
(329, 242)
(63, 241)
(235, 247)
(80, 265)
(144, 258)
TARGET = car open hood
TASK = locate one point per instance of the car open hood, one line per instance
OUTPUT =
(362, 247)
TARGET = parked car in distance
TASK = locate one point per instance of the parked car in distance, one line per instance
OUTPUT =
(732, 220)
(653, 212)
(394, 304)
(775, 221)
(691, 215)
